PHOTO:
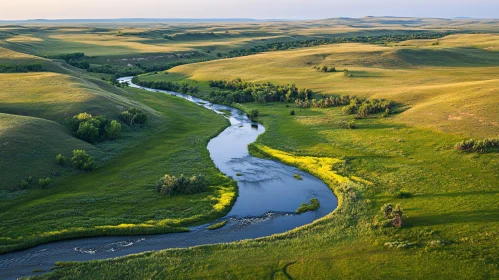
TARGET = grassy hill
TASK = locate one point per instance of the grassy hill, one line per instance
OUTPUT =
(461, 69)
(120, 196)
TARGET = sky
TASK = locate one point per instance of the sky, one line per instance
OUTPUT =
(257, 9)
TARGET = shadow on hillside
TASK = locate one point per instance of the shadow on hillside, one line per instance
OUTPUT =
(451, 57)
(477, 216)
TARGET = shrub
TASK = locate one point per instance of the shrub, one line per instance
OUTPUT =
(297, 177)
(134, 116)
(171, 185)
(23, 184)
(253, 114)
(43, 183)
(113, 130)
(60, 159)
(386, 114)
(480, 146)
(88, 132)
(292, 112)
(217, 225)
(82, 161)
(387, 210)
(395, 215)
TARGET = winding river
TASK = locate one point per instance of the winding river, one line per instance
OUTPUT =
(268, 198)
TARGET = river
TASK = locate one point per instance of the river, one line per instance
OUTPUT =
(268, 198)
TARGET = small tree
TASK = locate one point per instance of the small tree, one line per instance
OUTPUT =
(113, 130)
(43, 183)
(82, 161)
(253, 114)
(387, 210)
(292, 112)
(61, 160)
(397, 220)
(88, 132)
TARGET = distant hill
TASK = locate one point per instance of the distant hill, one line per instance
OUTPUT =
(130, 20)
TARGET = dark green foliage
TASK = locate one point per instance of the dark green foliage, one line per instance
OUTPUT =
(82, 161)
(92, 129)
(171, 185)
(61, 160)
(480, 146)
(168, 86)
(297, 177)
(292, 112)
(20, 68)
(69, 56)
(304, 207)
(386, 114)
(88, 132)
(380, 39)
(253, 114)
(241, 91)
(23, 184)
(363, 107)
(113, 130)
(134, 116)
(326, 102)
(43, 183)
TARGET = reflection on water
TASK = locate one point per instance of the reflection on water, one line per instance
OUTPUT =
(268, 198)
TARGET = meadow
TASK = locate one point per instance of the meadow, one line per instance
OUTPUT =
(445, 90)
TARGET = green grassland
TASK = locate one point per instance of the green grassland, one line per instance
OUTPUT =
(120, 196)
(447, 90)
(451, 227)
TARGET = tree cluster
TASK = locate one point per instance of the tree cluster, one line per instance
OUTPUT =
(167, 85)
(325, 69)
(20, 68)
(92, 129)
(241, 91)
(362, 107)
(171, 185)
(82, 161)
(380, 39)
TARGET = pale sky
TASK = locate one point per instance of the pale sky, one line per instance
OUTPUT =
(258, 9)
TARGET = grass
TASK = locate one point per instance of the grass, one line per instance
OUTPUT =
(217, 225)
(120, 197)
(304, 207)
(451, 227)
(436, 79)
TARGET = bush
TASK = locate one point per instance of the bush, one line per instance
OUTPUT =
(292, 112)
(134, 116)
(43, 183)
(113, 130)
(171, 185)
(480, 146)
(88, 132)
(23, 184)
(395, 215)
(60, 159)
(82, 161)
(253, 114)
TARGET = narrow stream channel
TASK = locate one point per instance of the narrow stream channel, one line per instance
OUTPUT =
(268, 198)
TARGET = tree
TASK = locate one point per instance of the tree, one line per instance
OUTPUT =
(292, 112)
(82, 161)
(60, 159)
(43, 183)
(253, 114)
(88, 132)
(113, 130)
